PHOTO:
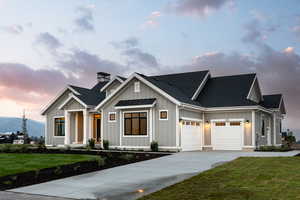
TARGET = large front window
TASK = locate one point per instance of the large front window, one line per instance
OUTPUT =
(135, 123)
(59, 126)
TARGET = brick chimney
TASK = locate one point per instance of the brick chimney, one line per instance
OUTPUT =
(103, 76)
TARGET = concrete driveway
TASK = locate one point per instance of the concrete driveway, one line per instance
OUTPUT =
(134, 180)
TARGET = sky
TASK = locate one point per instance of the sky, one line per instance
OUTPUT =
(45, 45)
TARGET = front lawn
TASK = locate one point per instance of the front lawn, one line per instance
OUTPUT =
(11, 163)
(242, 179)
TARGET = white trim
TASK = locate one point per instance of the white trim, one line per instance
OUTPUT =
(196, 94)
(177, 124)
(110, 113)
(67, 128)
(46, 130)
(239, 108)
(144, 147)
(236, 120)
(218, 120)
(251, 88)
(86, 120)
(102, 135)
(134, 107)
(110, 82)
(121, 126)
(203, 130)
(53, 122)
(72, 96)
(207, 146)
(253, 128)
(191, 119)
(132, 136)
(248, 146)
(76, 127)
(135, 75)
(274, 124)
(167, 115)
(150, 124)
(137, 86)
(56, 97)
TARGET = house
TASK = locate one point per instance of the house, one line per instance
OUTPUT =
(182, 112)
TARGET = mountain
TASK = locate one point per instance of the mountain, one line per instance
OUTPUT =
(12, 124)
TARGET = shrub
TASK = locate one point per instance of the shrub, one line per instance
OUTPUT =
(58, 171)
(274, 148)
(101, 161)
(106, 144)
(91, 143)
(154, 146)
(127, 157)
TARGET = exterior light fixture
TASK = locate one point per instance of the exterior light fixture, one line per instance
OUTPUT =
(140, 190)
(247, 121)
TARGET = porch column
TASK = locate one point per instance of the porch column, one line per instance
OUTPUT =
(274, 128)
(86, 119)
(67, 127)
(253, 129)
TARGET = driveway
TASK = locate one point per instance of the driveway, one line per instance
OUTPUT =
(137, 179)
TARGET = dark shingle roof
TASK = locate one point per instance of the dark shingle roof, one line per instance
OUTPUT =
(227, 91)
(91, 97)
(271, 101)
(123, 78)
(136, 102)
(180, 86)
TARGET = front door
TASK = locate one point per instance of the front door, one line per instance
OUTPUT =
(97, 128)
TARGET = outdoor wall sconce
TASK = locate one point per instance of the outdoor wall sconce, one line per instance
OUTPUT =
(247, 121)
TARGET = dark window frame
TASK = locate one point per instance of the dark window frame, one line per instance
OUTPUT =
(140, 119)
(59, 127)
(263, 132)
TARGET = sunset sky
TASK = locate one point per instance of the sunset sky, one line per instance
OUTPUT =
(47, 44)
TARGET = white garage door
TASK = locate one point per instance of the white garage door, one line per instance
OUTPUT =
(191, 136)
(227, 135)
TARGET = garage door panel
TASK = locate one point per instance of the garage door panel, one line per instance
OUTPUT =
(228, 136)
(191, 136)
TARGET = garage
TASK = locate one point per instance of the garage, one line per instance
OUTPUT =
(227, 134)
(191, 135)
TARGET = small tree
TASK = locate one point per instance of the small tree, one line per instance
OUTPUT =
(289, 138)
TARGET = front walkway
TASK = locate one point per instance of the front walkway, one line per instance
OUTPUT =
(137, 179)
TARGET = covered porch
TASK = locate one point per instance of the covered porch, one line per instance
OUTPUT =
(80, 126)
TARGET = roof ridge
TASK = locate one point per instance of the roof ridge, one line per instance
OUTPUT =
(78, 87)
(179, 73)
(246, 74)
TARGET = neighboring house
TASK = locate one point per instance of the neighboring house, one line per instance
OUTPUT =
(185, 111)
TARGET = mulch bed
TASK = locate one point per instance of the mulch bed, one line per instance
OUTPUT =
(112, 159)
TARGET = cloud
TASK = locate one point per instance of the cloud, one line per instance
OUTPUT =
(14, 29)
(152, 20)
(85, 20)
(255, 31)
(296, 30)
(289, 50)
(49, 41)
(200, 8)
(258, 15)
(136, 58)
(278, 72)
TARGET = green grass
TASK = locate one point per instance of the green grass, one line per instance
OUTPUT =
(242, 179)
(11, 163)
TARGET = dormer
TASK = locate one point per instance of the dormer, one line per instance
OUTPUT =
(112, 85)
(255, 92)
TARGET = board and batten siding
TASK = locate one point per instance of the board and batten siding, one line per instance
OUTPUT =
(190, 114)
(163, 131)
(260, 139)
(52, 112)
(246, 115)
(113, 86)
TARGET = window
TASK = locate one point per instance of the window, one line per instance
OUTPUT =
(220, 123)
(235, 123)
(137, 86)
(59, 126)
(135, 124)
(112, 117)
(263, 127)
(163, 115)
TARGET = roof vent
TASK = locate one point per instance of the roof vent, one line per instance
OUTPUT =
(102, 77)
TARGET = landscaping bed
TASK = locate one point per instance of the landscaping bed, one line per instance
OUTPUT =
(251, 178)
(34, 171)
(282, 148)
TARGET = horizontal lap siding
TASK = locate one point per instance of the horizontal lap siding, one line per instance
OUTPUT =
(73, 105)
(190, 114)
(246, 115)
(164, 131)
